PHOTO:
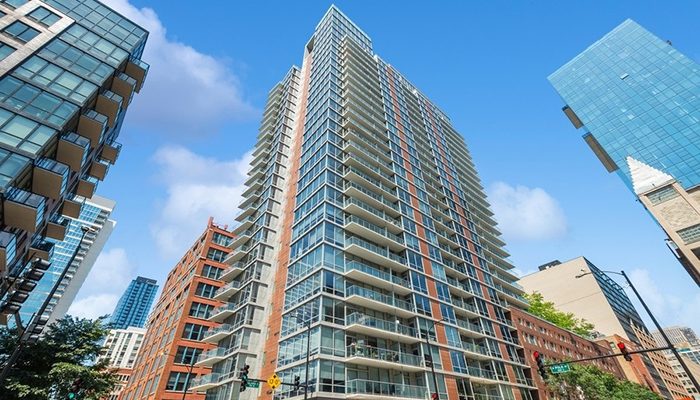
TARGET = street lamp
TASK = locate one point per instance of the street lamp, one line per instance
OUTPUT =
(189, 371)
(36, 319)
(656, 323)
(299, 319)
(430, 354)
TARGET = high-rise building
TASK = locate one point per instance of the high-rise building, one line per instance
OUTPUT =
(636, 99)
(134, 305)
(68, 72)
(189, 310)
(94, 214)
(678, 335)
(557, 344)
(121, 349)
(598, 299)
(366, 218)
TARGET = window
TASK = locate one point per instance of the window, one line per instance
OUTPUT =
(185, 355)
(21, 31)
(200, 310)
(27, 98)
(210, 271)
(13, 3)
(23, 133)
(204, 290)
(5, 50)
(56, 78)
(216, 255)
(43, 16)
(194, 331)
(176, 381)
(221, 239)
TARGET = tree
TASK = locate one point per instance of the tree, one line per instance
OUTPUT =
(66, 352)
(548, 312)
(590, 383)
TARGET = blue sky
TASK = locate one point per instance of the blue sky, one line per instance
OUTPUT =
(484, 63)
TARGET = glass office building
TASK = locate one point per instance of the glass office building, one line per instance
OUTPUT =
(365, 226)
(94, 214)
(134, 305)
(637, 100)
(69, 70)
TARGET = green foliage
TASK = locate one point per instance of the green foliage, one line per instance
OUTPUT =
(546, 310)
(47, 368)
(589, 382)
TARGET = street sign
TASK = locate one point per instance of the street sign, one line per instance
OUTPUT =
(560, 368)
(274, 382)
(253, 384)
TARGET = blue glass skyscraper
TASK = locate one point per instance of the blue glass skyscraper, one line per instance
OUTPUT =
(637, 100)
(135, 303)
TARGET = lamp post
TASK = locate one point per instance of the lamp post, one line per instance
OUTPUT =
(430, 354)
(36, 318)
(656, 323)
(308, 351)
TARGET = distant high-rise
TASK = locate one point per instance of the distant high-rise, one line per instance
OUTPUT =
(134, 305)
(678, 335)
(365, 219)
(636, 98)
(95, 214)
(68, 72)
(598, 299)
(121, 348)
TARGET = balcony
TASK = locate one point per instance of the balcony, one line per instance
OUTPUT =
(73, 150)
(375, 233)
(109, 104)
(211, 357)
(373, 199)
(86, 188)
(98, 170)
(41, 249)
(138, 70)
(218, 333)
(24, 210)
(460, 288)
(372, 214)
(369, 390)
(57, 228)
(382, 279)
(376, 254)
(377, 301)
(50, 178)
(233, 271)
(124, 86)
(71, 208)
(228, 290)
(92, 125)
(375, 327)
(8, 249)
(383, 358)
(471, 329)
(205, 382)
(110, 152)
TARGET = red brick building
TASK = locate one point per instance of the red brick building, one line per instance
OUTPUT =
(557, 344)
(173, 345)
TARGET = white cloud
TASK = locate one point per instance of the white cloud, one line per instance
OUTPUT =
(197, 187)
(669, 308)
(525, 213)
(186, 91)
(104, 284)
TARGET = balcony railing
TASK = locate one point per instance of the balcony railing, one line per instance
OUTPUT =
(372, 322)
(376, 296)
(376, 388)
(381, 354)
(359, 266)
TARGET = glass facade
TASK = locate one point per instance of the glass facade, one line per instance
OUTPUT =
(66, 64)
(637, 96)
(134, 305)
(364, 204)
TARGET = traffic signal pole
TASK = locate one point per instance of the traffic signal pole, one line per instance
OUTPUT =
(607, 356)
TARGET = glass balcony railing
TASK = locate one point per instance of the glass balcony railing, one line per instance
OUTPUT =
(376, 388)
(359, 266)
(376, 296)
(381, 354)
(374, 228)
(372, 322)
(350, 240)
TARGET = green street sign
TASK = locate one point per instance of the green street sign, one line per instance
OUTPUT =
(253, 384)
(560, 368)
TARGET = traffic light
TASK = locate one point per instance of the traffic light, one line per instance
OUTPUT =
(75, 388)
(297, 383)
(540, 364)
(624, 351)
(244, 377)
(434, 396)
